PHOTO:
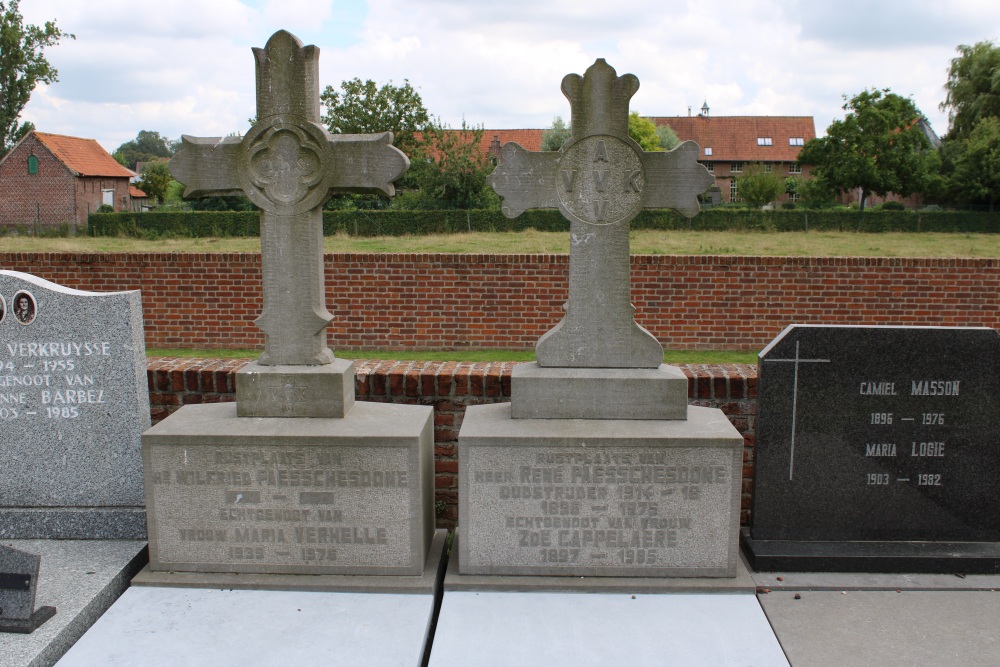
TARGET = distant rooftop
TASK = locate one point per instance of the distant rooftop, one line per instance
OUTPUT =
(84, 157)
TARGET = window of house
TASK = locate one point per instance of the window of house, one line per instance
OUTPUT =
(32, 164)
(108, 197)
(795, 141)
(737, 168)
(795, 168)
(733, 196)
(710, 166)
(793, 197)
(763, 141)
(768, 167)
(708, 151)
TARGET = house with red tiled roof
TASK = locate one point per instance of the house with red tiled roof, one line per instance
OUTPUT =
(52, 179)
(728, 143)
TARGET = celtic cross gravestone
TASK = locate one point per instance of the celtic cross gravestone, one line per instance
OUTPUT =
(600, 180)
(289, 165)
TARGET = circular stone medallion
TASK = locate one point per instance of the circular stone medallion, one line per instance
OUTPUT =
(601, 181)
(282, 165)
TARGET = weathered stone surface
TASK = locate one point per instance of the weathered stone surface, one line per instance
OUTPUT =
(598, 393)
(18, 584)
(295, 391)
(599, 181)
(590, 497)
(876, 450)
(73, 402)
(288, 164)
(291, 496)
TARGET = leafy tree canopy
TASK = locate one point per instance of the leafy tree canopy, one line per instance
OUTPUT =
(146, 146)
(362, 107)
(155, 180)
(643, 131)
(976, 176)
(973, 88)
(22, 67)
(554, 138)
(877, 147)
(758, 187)
(450, 170)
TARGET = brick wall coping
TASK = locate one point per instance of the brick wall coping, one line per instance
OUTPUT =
(471, 258)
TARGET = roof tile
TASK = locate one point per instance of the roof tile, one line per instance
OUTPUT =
(85, 157)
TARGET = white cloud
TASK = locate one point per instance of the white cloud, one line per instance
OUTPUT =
(187, 67)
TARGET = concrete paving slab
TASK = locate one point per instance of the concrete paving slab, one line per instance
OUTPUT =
(81, 579)
(862, 581)
(886, 628)
(166, 627)
(581, 629)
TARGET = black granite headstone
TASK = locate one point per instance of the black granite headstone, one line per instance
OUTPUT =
(18, 585)
(877, 450)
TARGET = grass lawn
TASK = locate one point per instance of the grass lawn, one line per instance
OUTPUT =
(825, 244)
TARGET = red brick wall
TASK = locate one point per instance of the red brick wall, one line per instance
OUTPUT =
(51, 189)
(449, 387)
(410, 301)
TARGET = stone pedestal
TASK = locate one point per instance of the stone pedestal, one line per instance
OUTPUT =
(599, 497)
(295, 391)
(539, 392)
(291, 495)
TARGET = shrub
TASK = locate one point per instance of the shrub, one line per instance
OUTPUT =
(893, 206)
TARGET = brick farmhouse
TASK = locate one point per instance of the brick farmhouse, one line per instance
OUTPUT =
(52, 179)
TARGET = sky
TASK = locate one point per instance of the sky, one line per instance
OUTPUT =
(185, 66)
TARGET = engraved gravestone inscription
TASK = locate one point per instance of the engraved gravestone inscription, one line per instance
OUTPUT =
(872, 438)
(18, 588)
(73, 405)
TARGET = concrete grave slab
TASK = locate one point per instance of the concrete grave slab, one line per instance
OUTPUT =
(590, 629)
(81, 578)
(887, 628)
(74, 402)
(166, 627)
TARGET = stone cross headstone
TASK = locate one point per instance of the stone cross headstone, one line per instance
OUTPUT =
(18, 587)
(295, 478)
(289, 165)
(876, 450)
(598, 362)
(598, 467)
(73, 405)
(600, 180)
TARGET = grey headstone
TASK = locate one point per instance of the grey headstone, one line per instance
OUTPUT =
(876, 450)
(599, 180)
(18, 586)
(289, 165)
(74, 403)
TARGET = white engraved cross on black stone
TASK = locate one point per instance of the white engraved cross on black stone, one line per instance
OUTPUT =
(600, 180)
(289, 165)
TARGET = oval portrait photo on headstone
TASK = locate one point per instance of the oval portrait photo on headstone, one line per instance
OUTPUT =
(25, 307)
(3, 308)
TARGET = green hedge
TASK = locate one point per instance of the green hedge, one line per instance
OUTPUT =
(398, 223)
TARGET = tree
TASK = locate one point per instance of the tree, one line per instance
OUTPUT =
(758, 187)
(146, 146)
(22, 67)
(364, 108)
(667, 136)
(155, 180)
(976, 175)
(878, 147)
(450, 170)
(554, 138)
(973, 88)
(643, 131)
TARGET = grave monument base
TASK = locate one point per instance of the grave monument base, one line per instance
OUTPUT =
(291, 495)
(28, 625)
(295, 391)
(539, 392)
(428, 582)
(599, 497)
(871, 556)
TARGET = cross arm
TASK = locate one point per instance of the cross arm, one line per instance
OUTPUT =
(201, 164)
(366, 163)
(525, 179)
(675, 179)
